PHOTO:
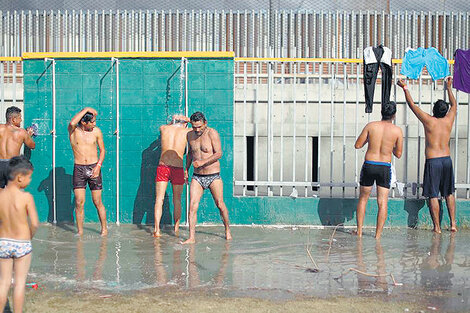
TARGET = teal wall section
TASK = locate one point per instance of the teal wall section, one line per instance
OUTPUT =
(150, 91)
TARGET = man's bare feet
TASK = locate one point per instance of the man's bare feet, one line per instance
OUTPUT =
(104, 232)
(188, 241)
(357, 233)
(156, 234)
(437, 230)
(176, 230)
(228, 235)
(453, 229)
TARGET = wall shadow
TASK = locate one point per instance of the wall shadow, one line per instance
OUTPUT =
(413, 207)
(336, 211)
(64, 196)
(145, 198)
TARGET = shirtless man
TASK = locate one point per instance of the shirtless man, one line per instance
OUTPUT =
(204, 153)
(383, 139)
(170, 168)
(85, 137)
(12, 136)
(18, 224)
(438, 171)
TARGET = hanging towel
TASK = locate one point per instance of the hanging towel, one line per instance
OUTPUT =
(462, 70)
(415, 59)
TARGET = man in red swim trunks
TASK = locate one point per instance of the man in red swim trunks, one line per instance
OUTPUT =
(170, 168)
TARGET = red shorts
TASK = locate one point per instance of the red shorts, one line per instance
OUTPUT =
(170, 173)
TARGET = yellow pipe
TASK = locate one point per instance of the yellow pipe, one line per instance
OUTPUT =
(164, 54)
(394, 61)
(10, 59)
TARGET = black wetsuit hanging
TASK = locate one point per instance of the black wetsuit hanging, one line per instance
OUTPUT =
(375, 57)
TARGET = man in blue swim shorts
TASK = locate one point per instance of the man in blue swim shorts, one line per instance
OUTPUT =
(438, 170)
(383, 139)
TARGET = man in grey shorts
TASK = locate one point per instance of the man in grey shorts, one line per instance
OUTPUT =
(204, 153)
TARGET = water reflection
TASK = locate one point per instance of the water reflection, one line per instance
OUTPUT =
(436, 268)
(368, 284)
(81, 262)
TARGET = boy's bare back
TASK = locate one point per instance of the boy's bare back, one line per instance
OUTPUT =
(15, 207)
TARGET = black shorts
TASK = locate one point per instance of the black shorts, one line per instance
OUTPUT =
(82, 176)
(378, 172)
(4, 172)
(438, 177)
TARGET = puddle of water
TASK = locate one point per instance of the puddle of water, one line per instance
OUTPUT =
(259, 262)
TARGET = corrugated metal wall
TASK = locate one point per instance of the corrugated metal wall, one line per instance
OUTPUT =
(271, 33)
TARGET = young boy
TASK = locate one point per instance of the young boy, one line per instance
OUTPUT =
(16, 232)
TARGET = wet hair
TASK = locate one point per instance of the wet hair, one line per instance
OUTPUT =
(198, 116)
(19, 165)
(440, 108)
(388, 110)
(11, 112)
(88, 117)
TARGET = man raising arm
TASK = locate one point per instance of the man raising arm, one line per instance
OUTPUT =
(438, 170)
(85, 139)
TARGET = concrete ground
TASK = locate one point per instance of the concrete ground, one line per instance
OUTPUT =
(263, 269)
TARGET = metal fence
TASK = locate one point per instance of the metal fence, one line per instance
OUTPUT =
(271, 33)
(296, 122)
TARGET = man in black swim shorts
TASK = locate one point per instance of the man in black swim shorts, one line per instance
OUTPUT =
(383, 139)
(438, 170)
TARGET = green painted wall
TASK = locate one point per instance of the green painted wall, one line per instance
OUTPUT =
(149, 92)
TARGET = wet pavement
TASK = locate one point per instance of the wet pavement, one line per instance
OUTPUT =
(264, 262)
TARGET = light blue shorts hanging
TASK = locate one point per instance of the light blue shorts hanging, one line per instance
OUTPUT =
(416, 59)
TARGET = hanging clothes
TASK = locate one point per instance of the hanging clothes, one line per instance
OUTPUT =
(375, 57)
(415, 59)
(462, 70)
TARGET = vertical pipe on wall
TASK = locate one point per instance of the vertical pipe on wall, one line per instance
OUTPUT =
(307, 70)
(281, 166)
(270, 125)
(294, 124)
(245, 154)
(344, 126)
(320, 70)
(419, 138)
(115, 62)
(53, 133)
(356, 111)
(186, 113)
